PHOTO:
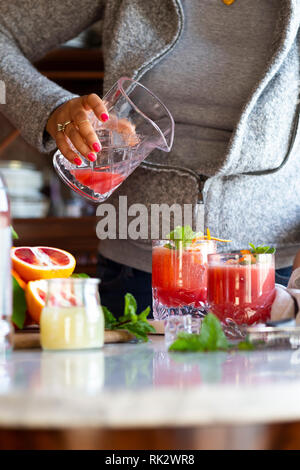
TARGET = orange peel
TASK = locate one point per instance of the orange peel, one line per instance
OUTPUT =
(41, 262)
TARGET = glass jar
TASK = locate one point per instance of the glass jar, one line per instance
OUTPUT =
(6, 329)
(72, 317)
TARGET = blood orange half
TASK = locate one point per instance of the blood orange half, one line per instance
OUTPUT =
(35, 295)
(42, 262)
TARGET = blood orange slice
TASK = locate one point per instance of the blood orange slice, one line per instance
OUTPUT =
(35, 295)
(42, 262)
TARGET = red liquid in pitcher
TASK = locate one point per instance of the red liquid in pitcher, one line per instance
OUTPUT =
(99, 181)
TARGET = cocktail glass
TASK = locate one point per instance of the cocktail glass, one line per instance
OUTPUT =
(138, 123)
(179, 277)
(241, 289)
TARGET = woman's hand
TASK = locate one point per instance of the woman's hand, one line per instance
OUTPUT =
(80, 131)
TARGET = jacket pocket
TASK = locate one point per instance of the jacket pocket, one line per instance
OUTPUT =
(293, 145)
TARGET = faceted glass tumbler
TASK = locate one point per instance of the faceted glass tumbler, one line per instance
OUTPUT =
(241, 289)
(178, 323)
(179, 277)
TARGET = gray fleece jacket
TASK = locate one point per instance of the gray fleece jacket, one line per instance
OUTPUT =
(254, 194)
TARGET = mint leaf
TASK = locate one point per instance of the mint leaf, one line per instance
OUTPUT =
(109, 320)
(212, 334)
(168, 245)
(262, 249)
(130, 308)
(14, 234)
(80, 275)
(245, 346)
(130, 305)
(187, 342)
(144, 314)
(211, 337)
(19, 304)
(182, 233)
(182, 236)
(139, 329)
(130, 321)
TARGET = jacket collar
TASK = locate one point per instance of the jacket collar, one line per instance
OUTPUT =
(147, 31)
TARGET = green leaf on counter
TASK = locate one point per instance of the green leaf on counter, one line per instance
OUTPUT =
(245, 346)
(210, 338)
(212, 334)
(187, 342)
(136, 324)
(19, 304)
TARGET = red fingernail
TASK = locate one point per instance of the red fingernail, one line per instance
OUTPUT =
(96, 147)
(92, 157)
(104, 117)
(77, 161)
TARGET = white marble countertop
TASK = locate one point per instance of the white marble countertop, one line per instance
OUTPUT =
(142, 385)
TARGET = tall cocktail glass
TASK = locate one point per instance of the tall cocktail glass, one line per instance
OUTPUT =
(241, 288)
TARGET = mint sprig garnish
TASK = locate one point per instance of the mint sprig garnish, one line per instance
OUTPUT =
(261, 250)
(182, 236)
(210, 338)
(137, 324)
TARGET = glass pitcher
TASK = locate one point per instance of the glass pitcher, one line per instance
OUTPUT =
(138, 123)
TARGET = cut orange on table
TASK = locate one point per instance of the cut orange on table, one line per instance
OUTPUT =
(42, 262)
(35, 295)
(19, 280)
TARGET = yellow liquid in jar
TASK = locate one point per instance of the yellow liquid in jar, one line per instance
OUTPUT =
(72, 328)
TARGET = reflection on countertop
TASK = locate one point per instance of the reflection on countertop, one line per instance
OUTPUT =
(113, 385)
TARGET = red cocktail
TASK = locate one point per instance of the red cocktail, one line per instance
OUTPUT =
(179, 277)
(241, 288)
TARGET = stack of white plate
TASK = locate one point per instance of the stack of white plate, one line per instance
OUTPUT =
(24, 183)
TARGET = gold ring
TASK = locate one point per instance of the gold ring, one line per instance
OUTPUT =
(62, 127)
(85, 120)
